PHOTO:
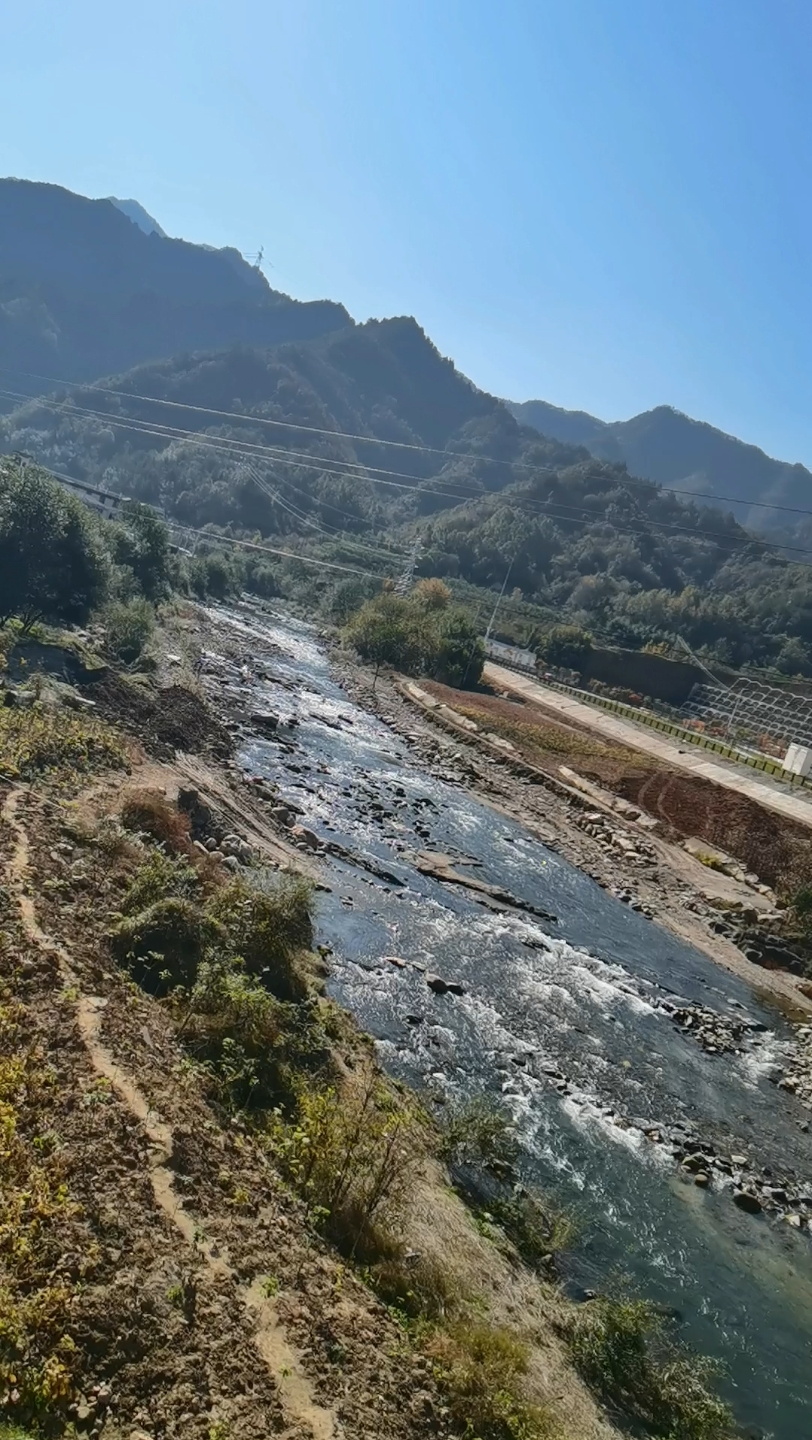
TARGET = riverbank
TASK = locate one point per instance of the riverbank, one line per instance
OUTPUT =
(651, 874)
(482, 965)
(596, 1086)
(183, 1284)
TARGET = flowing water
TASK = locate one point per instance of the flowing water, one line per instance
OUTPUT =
(578, 995)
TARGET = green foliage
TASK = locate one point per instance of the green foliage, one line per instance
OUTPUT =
(623, 1352)
(567, 646)
(479, 1133)
(348, 596)
(536, 1228)
(45, 740)
(268, 924)
(387, 631)
(139, 542)
(232, 1025)
(459, 654)
(52, 566)
(418, 638)
(481, 1368)
(213, 575)
(351, 1154)
(159, 877)
(164, 945)
(129, 625)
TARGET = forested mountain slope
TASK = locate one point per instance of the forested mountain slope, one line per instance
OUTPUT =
(370, 437)
(665, 445)
(85, 292)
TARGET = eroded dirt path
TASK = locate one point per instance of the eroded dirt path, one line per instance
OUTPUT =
(302, 1412)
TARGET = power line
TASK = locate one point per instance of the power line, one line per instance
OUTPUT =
(376, 473)
(271, 550)
(554, 510)
(376, 440)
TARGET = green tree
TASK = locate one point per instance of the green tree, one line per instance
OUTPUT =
(384, 633)
(52, 564)
(566, 645)
(460, 652)
(141, 542)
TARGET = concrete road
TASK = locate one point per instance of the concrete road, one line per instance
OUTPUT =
(623, 732)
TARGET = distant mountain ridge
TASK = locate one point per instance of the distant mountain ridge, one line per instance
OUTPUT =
(671, 448)
(138, 215)
(85, 292)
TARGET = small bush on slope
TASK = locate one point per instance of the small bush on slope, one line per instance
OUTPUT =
(624, 1354)
(268, 924)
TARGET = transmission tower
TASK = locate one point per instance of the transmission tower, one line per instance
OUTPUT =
(404, 584)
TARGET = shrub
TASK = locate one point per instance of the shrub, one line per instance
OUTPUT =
(149, 812)
(236, 1029)
(268, 925)
(479, 1133)
(129, 625)
(164, 945)
(624, 1353)
(480, 1367)
(351, 1155)
(44, 740)
(140, 541)
(538, 1230)
(418, 638)
(159, 877)
(432, 594)
(566, 645)
(52, 566)
(418, 1286)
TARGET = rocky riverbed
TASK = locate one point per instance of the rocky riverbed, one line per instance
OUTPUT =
(639, 1078)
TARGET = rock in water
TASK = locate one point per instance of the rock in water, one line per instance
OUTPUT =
(443, 987)
(746, 1200)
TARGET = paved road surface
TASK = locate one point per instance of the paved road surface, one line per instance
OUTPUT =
(637, 738)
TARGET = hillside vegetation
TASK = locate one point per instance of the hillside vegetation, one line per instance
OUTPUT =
(667, 446)
(85, 292)
(295, 442)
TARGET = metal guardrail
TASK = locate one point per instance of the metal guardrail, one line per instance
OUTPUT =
(764, 763)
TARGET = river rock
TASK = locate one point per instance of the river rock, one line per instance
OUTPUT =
(747, 1201)
(305, 837)
(443, 987)
(263, 720)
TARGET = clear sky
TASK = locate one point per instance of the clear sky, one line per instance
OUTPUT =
(602, 203)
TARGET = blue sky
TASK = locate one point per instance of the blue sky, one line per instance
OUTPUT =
(603, 203)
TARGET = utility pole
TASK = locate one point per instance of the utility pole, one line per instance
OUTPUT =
(498, 601)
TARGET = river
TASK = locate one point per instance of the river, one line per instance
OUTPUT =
(578, 996)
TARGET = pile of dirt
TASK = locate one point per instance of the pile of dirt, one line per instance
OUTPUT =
(164, 720)
(775, 848)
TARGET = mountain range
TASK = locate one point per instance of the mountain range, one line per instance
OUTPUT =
(235, 406)
(94, 287)
(85, 291)
(671, 448)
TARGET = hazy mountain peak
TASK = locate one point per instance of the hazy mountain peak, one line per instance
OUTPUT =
(674, 449)
(138, 215)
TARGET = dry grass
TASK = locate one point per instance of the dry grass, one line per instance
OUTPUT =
(36, 1354)
(538, 738)
(482, 1367)
(45, 742)
(148, 812)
